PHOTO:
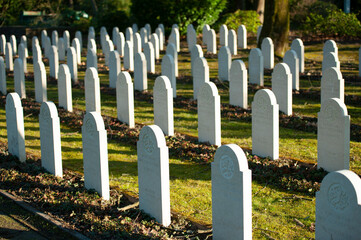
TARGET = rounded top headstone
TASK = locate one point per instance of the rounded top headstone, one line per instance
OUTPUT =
(265, 96)
(48, 109)
(152, 136)
(93, 121)
(334, 107)
(13, 99)
(230, 158)
(281, 69)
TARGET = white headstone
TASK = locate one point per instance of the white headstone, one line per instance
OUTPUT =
(149, 56)
(76, 46)
(92, 90)
(50, 142)
(125, 99)
(64, 88)
(191, 37)
(103, 34)
(2, 43)
(37, 56)
(2, 77)
(54, 38)
(265, 125)
(114, 68)
(238, 87)
(92, 44)
(259, 30)
(135, 27)
(163, 105)
(291, 59)
(200, 75)
(91, 33)
(61, 49)
(175, 38)
(232, 41)
(47, 46)
(161, 27)
(129, 34)
(13, 44)
(44, 34)
(9, 57)
(22, 56)
(224, 63)
(120, 42)
(338, 208)
(15, 126)
(72, 64)
(24, 41)
(282, 87)
(78, 35)
(209, 114)
(115, 35)
(168, 70)
(333, 136)
(95, 154)
(66, 37)
(128, 56)
(330, 60)
(155, 41)
(297, 46)
(242, 36)
(92, 59)
(40, 82)
(172, 50)
(332, 85)
(140, 72)
(143, 36)
(54, 62)
(159, 33)
(137, 44)
(223, 35)
(330, 46)
(231, 194)
(205, 31)
(149, 29)
(196, 52)
(153, 174)
(268, 53)
(211, 42)
(19, 78)
(255, 65)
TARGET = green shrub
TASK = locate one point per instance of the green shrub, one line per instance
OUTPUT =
(248, 18)
(181, 12)
(333, 23)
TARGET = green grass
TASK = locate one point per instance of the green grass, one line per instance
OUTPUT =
(274, 209)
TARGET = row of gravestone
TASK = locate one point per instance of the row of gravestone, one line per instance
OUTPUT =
(337, 202)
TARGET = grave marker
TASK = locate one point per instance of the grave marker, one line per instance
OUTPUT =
(9, 57)
(223, 35)
(120, 42)
(149, 56)
(2, 77)
(168, 70)
(282, 87)
(54, 62)
(128, 56)
(238, 91)
(224, 63)
(211, 42)
(61, 49)
(114, 68)
(155, 41)
(332, 85)
(125, 99)
(297, 46)
(200, 76)
(140, 72)
(232, 41)
(160, 35)
(22, 56)
(19, 78)
(76, 46)
(172, 50)
(92, 90)
(291, 60)
(92, 59)
(268, 53)
(255, 66)
(163, 105)
(40, 82)
(330, 60)
(206, 28)
(72, 63)
(66, 37)
(64, 88)
(54, 38)
(196, 52)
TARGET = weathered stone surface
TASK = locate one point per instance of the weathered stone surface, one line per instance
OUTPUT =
(291, 60)
(265, 125)
(95, 154)
(153, 174)
(332, 85)
(140, 72)
(224, 63)
(163, 105)
(150, 57)
(238, 87)
(255, 65)
(50, 142)
(200, 76)
(19, 78)
(282, 87)
(114, 68)
(92, 90)
(333, 136)
(64, 88)
(15, 126)
(40, 82)
(125, 99)
(168, 70)
(231, 194)
(72, 64)
(209, 114)
(338, 208)
(297, 46)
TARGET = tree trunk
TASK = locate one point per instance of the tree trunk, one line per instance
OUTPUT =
(276, 25)
(260, 10)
